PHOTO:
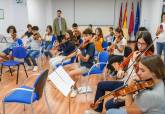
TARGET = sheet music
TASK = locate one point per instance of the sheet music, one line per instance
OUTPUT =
(65, 76)
(61, 80)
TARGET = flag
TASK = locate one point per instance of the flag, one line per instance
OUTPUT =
(137, 20)
(125, 17)
(131, 21)
(120, 17)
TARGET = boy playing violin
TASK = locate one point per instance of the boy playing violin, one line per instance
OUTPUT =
(85, 56)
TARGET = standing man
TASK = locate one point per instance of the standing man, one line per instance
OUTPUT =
(59, 26)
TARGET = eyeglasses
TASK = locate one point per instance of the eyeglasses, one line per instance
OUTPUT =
(142, 44)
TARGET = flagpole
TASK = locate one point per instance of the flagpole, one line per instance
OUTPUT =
(114, 13)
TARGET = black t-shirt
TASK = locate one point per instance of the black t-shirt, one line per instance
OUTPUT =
(28, 34)
(67, 48)
(89, 50)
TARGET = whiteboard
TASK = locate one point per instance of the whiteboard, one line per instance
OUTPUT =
(94, 12)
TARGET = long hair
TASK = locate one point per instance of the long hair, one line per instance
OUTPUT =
(147, 38)
(100, 32)
(11, 27)
(155, 64)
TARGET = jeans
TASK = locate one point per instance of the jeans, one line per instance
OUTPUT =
(47, 46)
(32, 54)
(107, 86)
(117, 111)
(161, 47)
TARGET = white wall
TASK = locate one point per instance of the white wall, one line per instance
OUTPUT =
(15, 14)
(42, 13)
(151, 14)
(67, 7)
(37, 13)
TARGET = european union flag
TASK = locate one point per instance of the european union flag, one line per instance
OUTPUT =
(137, 20)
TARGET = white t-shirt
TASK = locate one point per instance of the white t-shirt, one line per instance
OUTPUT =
(123, 42)
(48, 37)
(162, 34)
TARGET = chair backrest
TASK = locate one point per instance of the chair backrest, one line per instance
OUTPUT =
(103, 57)
(53, 39)
(40, 83)
(105, 44)
(127, 51)
(19, 52)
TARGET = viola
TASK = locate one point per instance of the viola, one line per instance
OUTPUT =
(124, 90)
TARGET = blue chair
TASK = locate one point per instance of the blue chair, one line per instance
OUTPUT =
(28, 95)
(97, 68)
(105, 45)
(19, 53)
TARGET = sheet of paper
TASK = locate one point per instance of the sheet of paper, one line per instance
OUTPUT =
(61, 80)
(65, 76)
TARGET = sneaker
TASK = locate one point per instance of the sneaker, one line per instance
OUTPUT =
(73, 93)
(91, 111)
(29, 67)
(35, 68)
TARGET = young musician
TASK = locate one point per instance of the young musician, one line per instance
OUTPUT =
(34, 51)
(48, 41)
(86, 58)
(151, 100)
(110, 36)
(29, 32)
(67, 47)
(76, 34)
(16, 42)
(143, 41)
(98, 40)
(116, 51)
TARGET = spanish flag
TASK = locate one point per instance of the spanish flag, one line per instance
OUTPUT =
(125, 29)
(125, 17)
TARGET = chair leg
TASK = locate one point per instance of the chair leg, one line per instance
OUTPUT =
(47, 102)
(17, 74)
(32, 109)
(1, 72)
(87, 82)
(25, 70)
(3, 103)
(24, 107)
(10, 71)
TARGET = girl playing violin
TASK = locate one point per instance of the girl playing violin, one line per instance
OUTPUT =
(98, 40)
(116, 50)
(143, 41)
(148, 101)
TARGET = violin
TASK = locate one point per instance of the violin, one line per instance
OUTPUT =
(82, 46)
(124, 90)
(113, 45)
